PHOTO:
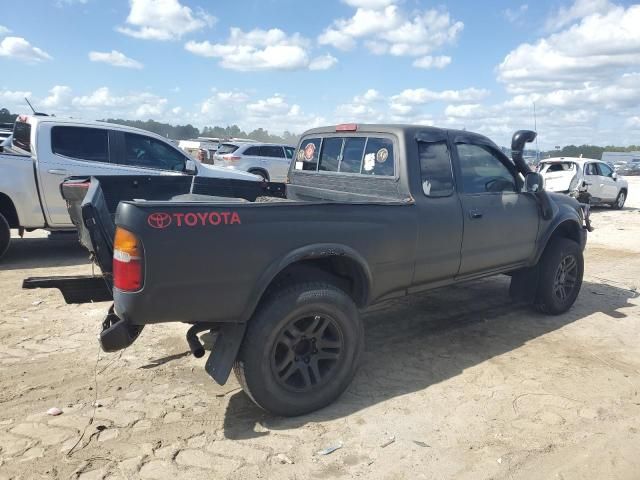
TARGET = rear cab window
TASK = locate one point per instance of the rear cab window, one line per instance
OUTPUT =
(362, 155)
(22, 135)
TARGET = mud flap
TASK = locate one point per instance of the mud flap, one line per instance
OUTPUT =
(524, 285)
(225, 351)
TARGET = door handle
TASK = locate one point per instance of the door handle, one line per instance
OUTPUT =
(56, 171)
(475, 214)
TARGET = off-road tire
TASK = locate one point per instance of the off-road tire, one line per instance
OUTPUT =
(559, 255)
(5, 235)
(620, 200)
(256, 368)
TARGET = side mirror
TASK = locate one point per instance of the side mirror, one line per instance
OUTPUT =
(190, 167)
(614, 175)
(533, 182)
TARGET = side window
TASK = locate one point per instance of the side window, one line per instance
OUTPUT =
(271, 151)
(605, 170)
(435, 165)
(89, 144)
(352, 154)
(330, 155)
(289, 151)
(482, 170)
(252, 151)
(590, 169)
(307, 157)
(378, 157)
(142, 151)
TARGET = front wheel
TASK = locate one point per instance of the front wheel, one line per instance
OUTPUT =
(561, 271)
(301, 349)
(622, 197)
(5, 235)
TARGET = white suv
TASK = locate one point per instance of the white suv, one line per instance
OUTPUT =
(268, 160)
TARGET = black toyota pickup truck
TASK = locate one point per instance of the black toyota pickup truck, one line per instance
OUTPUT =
(281, 271)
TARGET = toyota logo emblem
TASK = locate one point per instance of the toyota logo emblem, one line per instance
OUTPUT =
(159, 220)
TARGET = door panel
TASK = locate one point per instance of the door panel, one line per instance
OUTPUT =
(500, 223)
(440, 216)
(609, 185)
(499, 229)
(593, 180)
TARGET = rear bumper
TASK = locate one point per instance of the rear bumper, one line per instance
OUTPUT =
(117, 334)
(75, 289)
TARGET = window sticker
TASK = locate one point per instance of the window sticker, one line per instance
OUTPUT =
(299, 165)
(300, 156)
(369, 161)
(382, 155)
(309, 152)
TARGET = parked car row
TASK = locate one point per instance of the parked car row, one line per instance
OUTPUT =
(46, 150)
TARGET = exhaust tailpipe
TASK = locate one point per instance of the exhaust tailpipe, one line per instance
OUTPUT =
(195, 345)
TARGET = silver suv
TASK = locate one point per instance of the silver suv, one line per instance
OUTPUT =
(269, 160)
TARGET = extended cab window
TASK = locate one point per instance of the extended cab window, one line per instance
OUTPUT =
(81, 143)
(142, 151)
(435, 165)
(483, 171)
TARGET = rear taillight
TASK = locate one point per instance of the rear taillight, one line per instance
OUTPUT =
(231, 158)
(127, 261)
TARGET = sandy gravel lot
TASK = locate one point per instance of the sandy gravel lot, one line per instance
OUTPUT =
(456, 383)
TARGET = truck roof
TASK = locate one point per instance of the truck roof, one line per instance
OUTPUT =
(394, 129)
(36, 119)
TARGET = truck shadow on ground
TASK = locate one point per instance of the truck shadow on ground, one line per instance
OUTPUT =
(418, 341)
(59, 250)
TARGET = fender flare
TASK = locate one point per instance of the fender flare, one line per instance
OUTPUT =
(566, 220)
(308, 252)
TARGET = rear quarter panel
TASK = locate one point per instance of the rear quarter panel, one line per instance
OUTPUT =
(17, 181)
(205, 272)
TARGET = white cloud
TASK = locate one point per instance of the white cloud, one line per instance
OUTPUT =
(515, 15)
(102, 102)
(596, 49)
(428, 62)
(422, 95)
(463, 111)
(578, 10)
(115, 58)
(256, 50)
(633, 122)
(163, 20)
(371, 4)
(323, 62)
(67, 3)
(387, 29)
(4, 30)
(20, 49)
(13, 96)
(59, 96)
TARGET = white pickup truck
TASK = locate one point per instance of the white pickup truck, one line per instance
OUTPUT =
(45, 150)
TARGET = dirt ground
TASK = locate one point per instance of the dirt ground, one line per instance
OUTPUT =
(456, 383)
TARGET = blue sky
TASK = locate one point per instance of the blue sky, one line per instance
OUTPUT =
(292, 64)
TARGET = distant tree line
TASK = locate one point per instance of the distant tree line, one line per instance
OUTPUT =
(6, 116)
(587, 151)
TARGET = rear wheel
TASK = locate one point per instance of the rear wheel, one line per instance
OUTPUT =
(622, 197)
(5, 235)
(301, 349)
(561, 271)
